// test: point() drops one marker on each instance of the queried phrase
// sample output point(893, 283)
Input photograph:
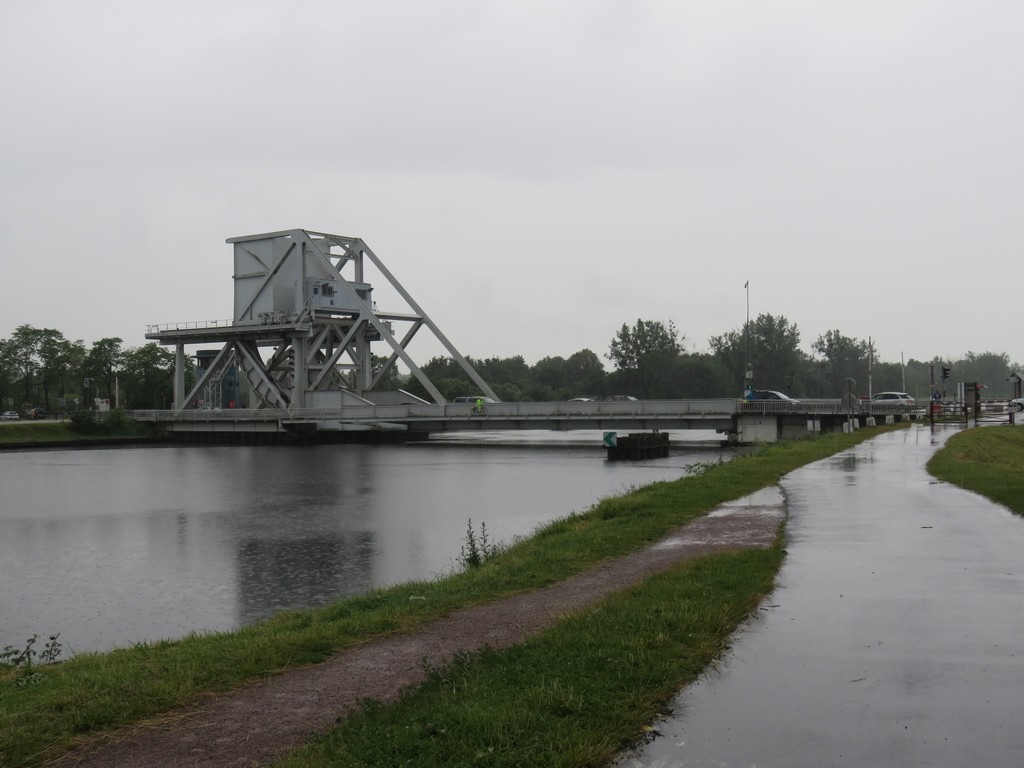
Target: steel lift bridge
point(304, 323)
point(302, 333)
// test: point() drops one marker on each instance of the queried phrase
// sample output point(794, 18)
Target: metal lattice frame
point(316, 348)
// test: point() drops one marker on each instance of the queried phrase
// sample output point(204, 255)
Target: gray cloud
point(535, 173)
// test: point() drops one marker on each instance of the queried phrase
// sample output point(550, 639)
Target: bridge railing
point(433, 411)
point(885, 408)
point(195, 325)
point(805, 406)
point(516, 411)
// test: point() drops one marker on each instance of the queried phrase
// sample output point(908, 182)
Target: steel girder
point(306, 295)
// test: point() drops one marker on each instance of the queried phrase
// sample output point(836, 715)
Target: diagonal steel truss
point(282, 282)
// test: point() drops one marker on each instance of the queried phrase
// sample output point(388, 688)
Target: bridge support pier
point(752, 428)
point(756, 428)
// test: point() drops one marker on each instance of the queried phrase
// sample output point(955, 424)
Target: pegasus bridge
point(296, 362)
point(734, 421)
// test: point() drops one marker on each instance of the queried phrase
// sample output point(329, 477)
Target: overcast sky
point(535, 174)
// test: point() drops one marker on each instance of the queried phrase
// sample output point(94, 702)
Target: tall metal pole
point(871, 354)
point(746, 335)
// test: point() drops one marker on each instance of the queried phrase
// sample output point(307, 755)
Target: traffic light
point(945, 372)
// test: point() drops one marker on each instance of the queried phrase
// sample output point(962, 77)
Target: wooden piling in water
point(639, 446)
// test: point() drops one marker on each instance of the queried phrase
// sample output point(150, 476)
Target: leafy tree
point(558, 378)
point(586, 373)
point(549, 379)
point(730, 350)
point(891, 377)
point(644, 357)
point(147, 376)
point(647, 340)
point(844, 357)
point(25, 355)
point(700, 375)
point(8, 373)
point(102, 364)
point(774, 354)
point(504, 370)
point(446, 374)
point(59, 358)
point(988, 368)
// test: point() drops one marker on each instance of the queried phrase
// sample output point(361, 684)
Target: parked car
point(1017, 404)
point(10, 416)
point(581, 399)
point(37, 413)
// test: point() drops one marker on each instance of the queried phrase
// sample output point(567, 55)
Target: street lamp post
point(748, 374)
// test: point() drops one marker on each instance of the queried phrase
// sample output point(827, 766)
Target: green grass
point(29, 432)
point(988, 460)
point(95, 692)
point(575, 695)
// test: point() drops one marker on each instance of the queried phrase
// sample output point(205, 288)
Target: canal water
point(895, 637)
point(111, 547)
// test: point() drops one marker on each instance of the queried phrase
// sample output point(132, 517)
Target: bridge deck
point(708, 414)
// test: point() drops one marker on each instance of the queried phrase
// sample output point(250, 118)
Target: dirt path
point(256, 724)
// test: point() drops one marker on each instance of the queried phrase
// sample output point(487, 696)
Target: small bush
point(115, 420)
point(84, 422)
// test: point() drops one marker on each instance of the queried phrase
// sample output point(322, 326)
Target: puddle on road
point(893, 639)
point(752, 521)
point(769, 500)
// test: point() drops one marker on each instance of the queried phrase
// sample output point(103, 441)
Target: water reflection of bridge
point(737, 421)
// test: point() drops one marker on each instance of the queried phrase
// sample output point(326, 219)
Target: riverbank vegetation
point(91, 693)
point(649, 360)
point(83, 428)
point(989, 461)
point(575, 695)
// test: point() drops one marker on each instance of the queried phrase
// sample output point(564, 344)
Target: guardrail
point(432, 411)
point(193, 325)
point(652, 410)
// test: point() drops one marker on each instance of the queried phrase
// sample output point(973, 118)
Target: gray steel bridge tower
point(303, 328)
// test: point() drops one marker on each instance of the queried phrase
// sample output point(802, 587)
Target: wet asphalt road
point(895, 637)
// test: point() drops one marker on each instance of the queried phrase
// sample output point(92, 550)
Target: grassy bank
point(94, 692)
point(29, 433)
point(575, 695)
point(988, 461)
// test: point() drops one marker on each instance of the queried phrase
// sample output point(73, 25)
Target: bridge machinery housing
point(303, 332)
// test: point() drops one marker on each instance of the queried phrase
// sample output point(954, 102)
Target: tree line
point(41, 367)
point(648, 359)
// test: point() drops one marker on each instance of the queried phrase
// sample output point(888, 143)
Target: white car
point(1017, 404)
point(900, 400)
point(10, 416)
point(773, 394)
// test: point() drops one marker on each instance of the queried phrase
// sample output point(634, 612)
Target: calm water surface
point(119, 546)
